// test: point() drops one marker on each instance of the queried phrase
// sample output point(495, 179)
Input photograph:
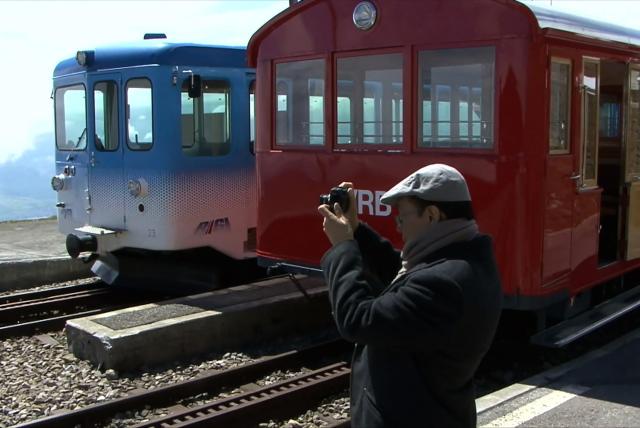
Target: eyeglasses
point(400, 218)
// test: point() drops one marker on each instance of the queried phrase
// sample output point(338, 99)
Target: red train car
point(539, 110)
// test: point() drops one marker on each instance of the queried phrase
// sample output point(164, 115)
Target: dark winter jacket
point(420, 339)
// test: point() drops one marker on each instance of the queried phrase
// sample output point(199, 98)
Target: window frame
point(273, 103)
point(228, 87)
point(475, 151)
point(117, 119)
point(567, 61)
point(407, 129)
point(591, 182)
point(148, 146)
point(251, 90)
point(55, 116)
point(630, 170)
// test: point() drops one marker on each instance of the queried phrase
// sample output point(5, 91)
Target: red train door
point(592, 213)
point(632, 164)
point(586, 202)
point(561, 173)
point(605, 202)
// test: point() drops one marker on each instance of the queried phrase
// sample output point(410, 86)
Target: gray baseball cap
point(436, 182)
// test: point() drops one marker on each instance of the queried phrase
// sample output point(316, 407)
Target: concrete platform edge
point(185, 337)
point(496, 398)
point(23, 274)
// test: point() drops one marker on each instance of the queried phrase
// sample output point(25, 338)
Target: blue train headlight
point(57, 182)
point(84, 57)
point(138, 188)
point(364, 15)
point(135, 188)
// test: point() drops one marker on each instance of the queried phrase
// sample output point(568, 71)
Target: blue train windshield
point(71, 118)
point(105, 96)
point(205, 120)
point(140, 114)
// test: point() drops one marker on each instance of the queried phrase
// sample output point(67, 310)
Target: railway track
point(507, 362)
point(287, 399)
point(274, 401)
point(46, 310)
point(32, 295)
point(244, 409)
point(511, 361)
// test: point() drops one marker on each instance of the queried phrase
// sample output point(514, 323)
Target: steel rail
point(51, 323)
point(282, 399)
point(341, 424)
point(61, 302)
point(208, 382)
point(113, 301)
point(33, 295)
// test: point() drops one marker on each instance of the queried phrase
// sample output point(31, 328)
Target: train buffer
point(93, 230)
point(567, 331)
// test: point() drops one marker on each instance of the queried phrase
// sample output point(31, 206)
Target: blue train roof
point(584, 26)
point(159, 53)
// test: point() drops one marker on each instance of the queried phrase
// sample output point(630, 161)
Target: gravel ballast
point(41, 377)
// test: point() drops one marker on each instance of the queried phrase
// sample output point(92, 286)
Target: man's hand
point(336, 226)
point(352, 212)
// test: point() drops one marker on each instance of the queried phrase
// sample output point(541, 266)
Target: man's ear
point(433, 214)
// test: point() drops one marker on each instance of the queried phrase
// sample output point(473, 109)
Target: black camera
point(339, 195)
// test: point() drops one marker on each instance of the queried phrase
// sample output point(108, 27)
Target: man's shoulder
point(434, 281)
point(441, 268)
point(426, 267)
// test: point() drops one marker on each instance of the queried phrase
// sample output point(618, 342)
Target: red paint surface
point(545, 232)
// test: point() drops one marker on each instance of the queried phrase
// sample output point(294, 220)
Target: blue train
point(154, 155)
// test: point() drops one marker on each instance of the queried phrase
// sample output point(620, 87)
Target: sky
point(36, 35)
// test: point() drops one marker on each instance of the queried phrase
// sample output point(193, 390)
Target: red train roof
point(545, 18)
point(585, 27)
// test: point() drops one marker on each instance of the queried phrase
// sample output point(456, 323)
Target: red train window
point(369, 103)
point(456, 91)
point(300, 103)
point(560, 99)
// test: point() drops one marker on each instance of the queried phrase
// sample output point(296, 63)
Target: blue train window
point(139, 114)
point(71, 118)
point(205, 120)
point(105, 97)
point(456, 91)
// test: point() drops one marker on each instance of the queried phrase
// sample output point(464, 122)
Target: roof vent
point(148, 36)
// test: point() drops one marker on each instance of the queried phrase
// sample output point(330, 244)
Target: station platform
point(32, 252)
point(219, 320)
point(600, 389)
point(31, 239)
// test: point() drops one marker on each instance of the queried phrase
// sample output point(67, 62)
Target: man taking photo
point(422, 319)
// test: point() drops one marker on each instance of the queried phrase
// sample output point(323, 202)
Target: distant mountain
point(25, 189)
